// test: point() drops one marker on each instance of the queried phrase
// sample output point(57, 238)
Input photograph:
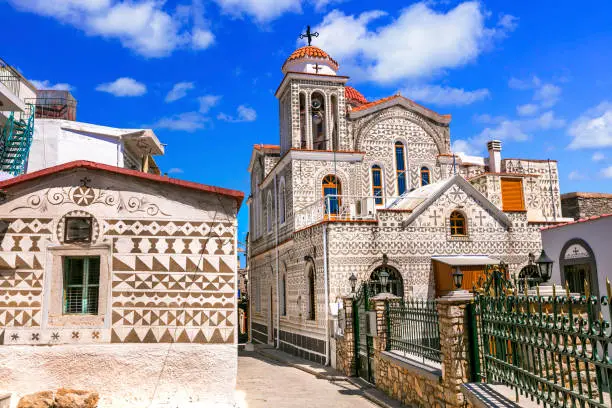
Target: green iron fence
point(555, 350)
point(413, 329)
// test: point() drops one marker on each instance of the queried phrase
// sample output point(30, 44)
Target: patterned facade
point(293, 232)
point(167, 251)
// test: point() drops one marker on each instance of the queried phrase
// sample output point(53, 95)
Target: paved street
point(267, 383)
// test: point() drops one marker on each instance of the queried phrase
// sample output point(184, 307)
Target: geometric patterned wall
point(171, 255)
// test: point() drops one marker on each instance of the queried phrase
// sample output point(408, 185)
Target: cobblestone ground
point(267, 383)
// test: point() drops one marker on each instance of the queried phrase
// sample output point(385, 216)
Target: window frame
point(85, 285)
point(425, 170)
point(400, 174)
point(332, 181)
point(378, 199)
point(67, 219)
point(455, 216)
point(311, 279)
point(269, 219)
point(282, 203)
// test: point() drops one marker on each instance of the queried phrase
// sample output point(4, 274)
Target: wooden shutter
point(512, 194)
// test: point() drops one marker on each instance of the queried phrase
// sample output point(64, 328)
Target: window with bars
point(81, 285)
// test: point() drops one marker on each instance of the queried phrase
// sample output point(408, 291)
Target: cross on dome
point(309, 34)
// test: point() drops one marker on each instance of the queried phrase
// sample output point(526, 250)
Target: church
point(357, 187)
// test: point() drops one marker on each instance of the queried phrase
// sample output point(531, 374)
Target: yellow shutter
point(512, 195)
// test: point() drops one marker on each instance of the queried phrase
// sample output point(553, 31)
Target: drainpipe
point(277, 262)
point(325, 283)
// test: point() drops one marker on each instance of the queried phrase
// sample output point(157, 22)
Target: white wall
point(54, 144)
point(126, 375)
point(597, 233)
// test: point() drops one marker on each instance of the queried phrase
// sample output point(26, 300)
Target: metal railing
point(341, 208)
point(9, 78)
point(54, 108)
point(556, 350)
point(413, 330)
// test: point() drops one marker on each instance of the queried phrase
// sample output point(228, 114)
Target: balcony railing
point(9, 78)
point(54, 108)
point(341, 208)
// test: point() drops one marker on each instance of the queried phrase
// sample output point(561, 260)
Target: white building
point(357, 186)
point(39, 130)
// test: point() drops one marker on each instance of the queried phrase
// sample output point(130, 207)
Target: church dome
point(311, 60)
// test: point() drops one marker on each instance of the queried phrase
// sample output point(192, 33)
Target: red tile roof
point(593, 218)
point(266, 146)
point(355, 95)
point(374, 103)
point(83, 164)
point(389, 98)
point(312, 52)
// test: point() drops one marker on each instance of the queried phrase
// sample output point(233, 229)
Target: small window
point(77, 229)
point(282, 207)
point(425, 176)
point(284, 296)
point(377, 189)
point(458, 224)
point(269, 212)
point(81, 285)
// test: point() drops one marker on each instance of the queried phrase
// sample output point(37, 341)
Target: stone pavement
point(270, 380)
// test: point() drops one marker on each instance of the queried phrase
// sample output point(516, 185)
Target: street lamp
point(458, 277)
point(384, 279)
point(353, 281)
point(545, 265)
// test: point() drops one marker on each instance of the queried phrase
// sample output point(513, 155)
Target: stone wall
point(409, 381)
point(583, 205)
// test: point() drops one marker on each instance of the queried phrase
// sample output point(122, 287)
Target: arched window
point(318, 117)
point(303, 130)
point(400, 167)
point(425, 176)
point(269, 212)
point(377, 190)
point(331, 192)
point(284, 295)
point(395, 283)
point(458, 224)
point(334, 123)
point(311, 293)
point(578, 266)
point(282, 208)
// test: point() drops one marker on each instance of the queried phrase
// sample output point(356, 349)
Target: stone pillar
point(345, 343)
point(379, 303)
point(454, 346)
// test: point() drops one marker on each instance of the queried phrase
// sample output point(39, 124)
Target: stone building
point(583, 205)
point(129, 281)
point(358, 186)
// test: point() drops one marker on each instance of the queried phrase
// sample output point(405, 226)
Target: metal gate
point(364, 342)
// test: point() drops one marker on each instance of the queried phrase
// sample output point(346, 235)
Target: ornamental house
point(120, 282)
point(357, 187)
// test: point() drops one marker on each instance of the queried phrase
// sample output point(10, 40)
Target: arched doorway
point(577, 266)
point(395, 283)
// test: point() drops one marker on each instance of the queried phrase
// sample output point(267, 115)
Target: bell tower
point(312, 103)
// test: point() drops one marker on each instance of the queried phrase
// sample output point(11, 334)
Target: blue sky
point(202, 73)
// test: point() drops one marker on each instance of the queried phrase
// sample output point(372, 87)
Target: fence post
point(380, 304)
point(454, 345)
point(345, 344)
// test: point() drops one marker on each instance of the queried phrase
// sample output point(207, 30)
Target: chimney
point(494, 148)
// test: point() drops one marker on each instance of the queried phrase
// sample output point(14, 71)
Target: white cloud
point(245, 114)
point(487, 119)
point(547, 95)
point(576, 176)
point(46, 84)
point(123, 87)
point(418, 43)
point(464, 146)
point(607, 172)
point(143, 26)
point(523, 84)
point(178, 91)
point(445, 96)
point(320, 5)
point(188, 122)
point(260, 10)
point(528, 109)
point(207, 102)
point(593, 128)
point(598, 156)
point(175, 170)
point(202, 39)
